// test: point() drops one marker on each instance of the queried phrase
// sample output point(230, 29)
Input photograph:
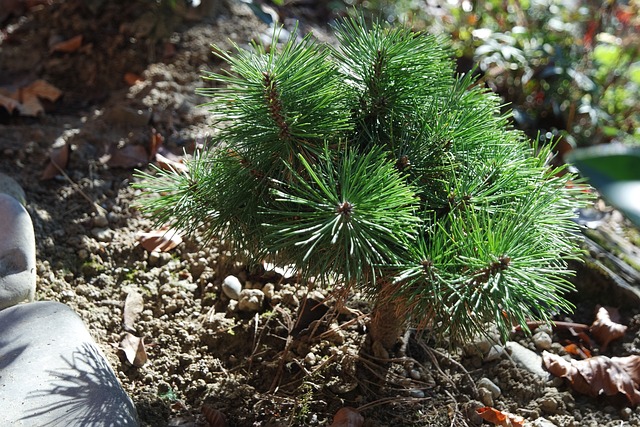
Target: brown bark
point(388, 324)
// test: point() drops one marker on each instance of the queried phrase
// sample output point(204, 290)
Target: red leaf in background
point(161, 240)
point(499, 418)
point(68, 46)
point(131, 78)
point(589, 34)
point(347, 417)
point(605, 329)
point(599, 375)
point(155, 143)
point(214, 417)
point(58, 160)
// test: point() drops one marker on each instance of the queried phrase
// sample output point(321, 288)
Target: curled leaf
point(58, 160)
point(133, 306)
point(134, 351)
point(214, 417)
point(604, 329)
point(599, 375)
point(68, 46)
point(500, 418)
point(347, 417)
point(161, 240)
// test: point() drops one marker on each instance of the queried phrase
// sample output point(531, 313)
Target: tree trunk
point(387, 326)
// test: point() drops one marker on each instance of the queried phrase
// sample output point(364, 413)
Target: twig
point(99, 209)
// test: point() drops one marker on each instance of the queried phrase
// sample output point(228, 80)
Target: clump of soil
point(262, 367)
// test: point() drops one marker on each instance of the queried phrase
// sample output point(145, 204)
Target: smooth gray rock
point(17, 253)
point(232, 287)
point(527, 359)
point(9, 186)
point(53, 374)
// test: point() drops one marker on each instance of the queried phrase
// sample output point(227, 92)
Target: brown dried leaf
point(161, 240)
point(9, 103)
point(133, 348)
point(68, 46)
point(133, 306)
point(131, 78)
point(58, 160)
point(599, 375)
point(500, 418)
point(129, 156)
point(605, 329)
point(168, 164)
point(214, 417)
point(347, 417)
point(29, 97)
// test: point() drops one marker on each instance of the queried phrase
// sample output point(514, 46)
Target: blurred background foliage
point(567, 68)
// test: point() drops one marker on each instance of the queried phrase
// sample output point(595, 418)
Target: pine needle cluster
point(372, 164)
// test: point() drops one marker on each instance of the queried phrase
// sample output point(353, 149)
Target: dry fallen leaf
point(8, 103)
point(214, 417)
point(133, 306)
point(347, 417)
point(131, 78)
point(599, 375)
point(58, 160)
point(133, 348)
point(30, 97)
point(68, 46)
point(129, 156)
point(161, 240)
point(605, 329)
point(166, 163)
point(500, 418)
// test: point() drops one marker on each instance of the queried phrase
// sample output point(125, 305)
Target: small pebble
point(542, 340)
point(625, 413)
point(268, 290)
point(310, 359)
point(232, 287)
point(100, 221)
point(549, 405)
point(250, 300)
point(102, 234)
point(417, 393)
point(486, 383)
point(485, 396)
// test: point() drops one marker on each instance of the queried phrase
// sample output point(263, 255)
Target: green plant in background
point(568, 68)
point(371, 165)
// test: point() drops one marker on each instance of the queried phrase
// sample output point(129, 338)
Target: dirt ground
point(130, 87)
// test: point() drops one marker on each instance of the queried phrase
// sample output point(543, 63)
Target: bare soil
point(262, 368)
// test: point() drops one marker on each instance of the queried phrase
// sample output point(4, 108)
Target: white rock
point(17, 253)
point(487, 384)
point(310, 359)
point(542, 340)
point(527, 359)
point(250, 300)
point(542, 422)
point(53, 373)
point(10, 187)
point(232, 287)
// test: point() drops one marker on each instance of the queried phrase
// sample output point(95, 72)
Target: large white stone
point(17, 253)
point(53, 374)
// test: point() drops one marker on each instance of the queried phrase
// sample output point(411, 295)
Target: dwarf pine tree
point(373, 165)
